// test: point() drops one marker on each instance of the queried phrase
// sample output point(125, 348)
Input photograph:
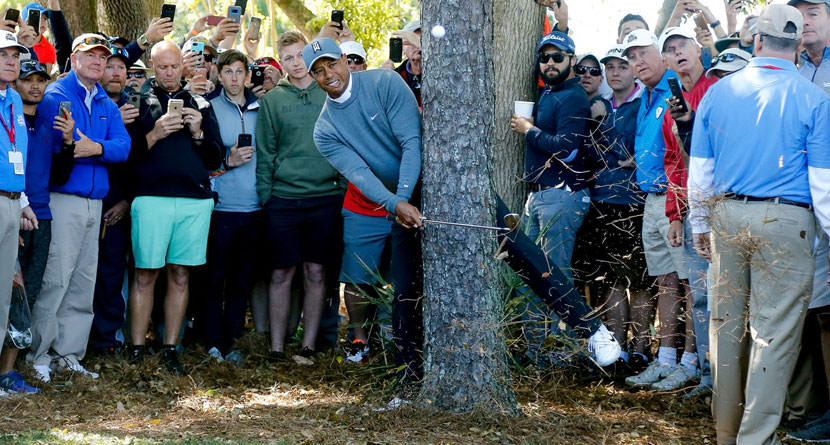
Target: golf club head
point(511, 221)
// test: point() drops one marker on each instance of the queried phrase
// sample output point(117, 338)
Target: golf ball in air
point(438, 31)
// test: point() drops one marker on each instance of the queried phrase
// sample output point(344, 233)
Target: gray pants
point(9, 226)
point(762, 268)
point(62, 314)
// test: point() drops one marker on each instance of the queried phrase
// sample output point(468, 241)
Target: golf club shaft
point(468, 226)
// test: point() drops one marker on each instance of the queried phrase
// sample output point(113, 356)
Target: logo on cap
point(631, 38)
point(11, 37)
point(315, 46)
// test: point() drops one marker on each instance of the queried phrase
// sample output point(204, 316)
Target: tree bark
point(663, 15)
point(297, 13)
point(465, 366)
point(124, 19)
point(81, 15)
point(520, 26)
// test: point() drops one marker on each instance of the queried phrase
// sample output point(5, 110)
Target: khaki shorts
point(661, 257)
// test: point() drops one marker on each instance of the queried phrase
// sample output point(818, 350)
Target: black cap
point(30, 67)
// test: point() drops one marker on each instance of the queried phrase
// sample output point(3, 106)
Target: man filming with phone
point(173, 204)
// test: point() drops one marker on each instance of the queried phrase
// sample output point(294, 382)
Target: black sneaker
point(307, 352)
point(636, 364)
point(276, 357)
point(817, 431)
point(170, 358)
point(137, 354)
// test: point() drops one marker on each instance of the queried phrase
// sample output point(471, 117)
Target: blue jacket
point(556, 145)
point(649, 145)
point(614, 143)
point(38, 168)
point(10, 182)
point(89, 178)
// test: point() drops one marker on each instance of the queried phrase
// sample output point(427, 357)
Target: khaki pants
point(762, 263)
point(9, 227)
point(62, 314)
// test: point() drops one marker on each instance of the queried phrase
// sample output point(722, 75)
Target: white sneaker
point(676, 379)
point(73, 366)
point(603, 347)
point(214, 352)
point(43, 373)
point(3, 394)
point(655, 372)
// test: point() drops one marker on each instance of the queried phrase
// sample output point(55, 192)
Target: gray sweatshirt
point(374, 137)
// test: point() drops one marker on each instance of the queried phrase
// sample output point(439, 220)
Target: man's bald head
point(166, 59)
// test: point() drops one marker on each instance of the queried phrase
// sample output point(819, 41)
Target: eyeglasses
point(357, 60)
point(582, 69)
point(116, 51)
point(91, 41)
point(556, 57)
point(725, 58)
point(137, 75)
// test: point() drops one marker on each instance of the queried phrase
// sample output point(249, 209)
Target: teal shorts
point(169, 230)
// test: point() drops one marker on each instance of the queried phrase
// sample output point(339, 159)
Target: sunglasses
point(582, 69)
point(357, 60)
point(556, 57)
point(725, 58)
point(137, 75)
point(116, 51)
point(89, 41)
point(30, 66)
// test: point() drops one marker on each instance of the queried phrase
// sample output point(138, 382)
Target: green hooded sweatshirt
point(288, 164)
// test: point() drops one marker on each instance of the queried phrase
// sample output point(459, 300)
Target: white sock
point(667, 355)
point(689, 360)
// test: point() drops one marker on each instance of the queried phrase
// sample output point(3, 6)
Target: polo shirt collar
point(346, 94)
point(772, 62)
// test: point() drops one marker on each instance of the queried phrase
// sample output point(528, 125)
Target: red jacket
point(676, 171)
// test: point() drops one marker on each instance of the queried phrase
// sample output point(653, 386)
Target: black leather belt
point(10, 195)
point(746, 198)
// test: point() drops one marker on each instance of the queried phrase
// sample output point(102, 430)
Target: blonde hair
point(290, 38)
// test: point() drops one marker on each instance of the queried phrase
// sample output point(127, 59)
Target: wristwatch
point(143, 41)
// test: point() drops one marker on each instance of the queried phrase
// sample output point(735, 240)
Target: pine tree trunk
point(124, 19)
point(465, 367)
point(81, 15)
point(520, 26)
point(297, 13)
point(663, 16)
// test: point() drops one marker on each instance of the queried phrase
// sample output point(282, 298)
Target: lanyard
point(9, 130)
point(614, 105)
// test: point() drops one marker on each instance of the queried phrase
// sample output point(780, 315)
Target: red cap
point(262, 61)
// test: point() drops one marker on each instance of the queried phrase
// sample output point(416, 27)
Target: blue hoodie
point(89, 177)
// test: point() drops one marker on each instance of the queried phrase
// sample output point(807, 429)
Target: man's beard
point(557, 78)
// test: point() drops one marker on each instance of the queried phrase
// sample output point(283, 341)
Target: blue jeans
point(554, 217)
point(697, 269)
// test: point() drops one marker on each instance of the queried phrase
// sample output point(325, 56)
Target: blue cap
point(559, 40)
point(319, 48)
point(29, 7)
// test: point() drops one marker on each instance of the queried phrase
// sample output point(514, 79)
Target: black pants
point(110, 301)
point(407, 328)
point(33, 255)
point(233, 244)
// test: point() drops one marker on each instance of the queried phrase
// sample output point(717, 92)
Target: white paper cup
point(523, 109)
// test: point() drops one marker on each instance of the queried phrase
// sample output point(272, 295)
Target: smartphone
point(134, 99)
point(168, 10)
point(700, 21)
point(243, 4)
point(235, 13)
point(213, 20)
point(337, 16)
point(257, 76)
point(254, 26)
point(396, 49)
point(174, 107)
point(34, 20)
point(64, 109)
point(13, 15)
point(674, 86)
point(244, 140)
point(198, 47)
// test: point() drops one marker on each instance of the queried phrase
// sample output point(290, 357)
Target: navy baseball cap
point(559, 40)
point(31, 67)
point(319, 48)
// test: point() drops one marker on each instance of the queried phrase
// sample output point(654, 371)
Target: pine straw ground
point(329, 403)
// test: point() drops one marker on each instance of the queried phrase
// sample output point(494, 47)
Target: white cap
point(676, 31)
point(738, 59)
point(639, 37)
point(352, 47)
point(88, 42)
point(616, 52)
point(9, 40)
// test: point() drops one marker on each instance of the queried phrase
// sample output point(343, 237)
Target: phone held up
point(235, 13)
point(256, 23)
point(396, 49)
point(168, 10)
point(337, 17)
point(12, 15)
point(257, 76)
point(64, 109)
point(674, 86)
point(34, 20)
point(174, 107)
point(244, 140)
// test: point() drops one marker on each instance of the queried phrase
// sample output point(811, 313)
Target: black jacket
point(177, 166)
